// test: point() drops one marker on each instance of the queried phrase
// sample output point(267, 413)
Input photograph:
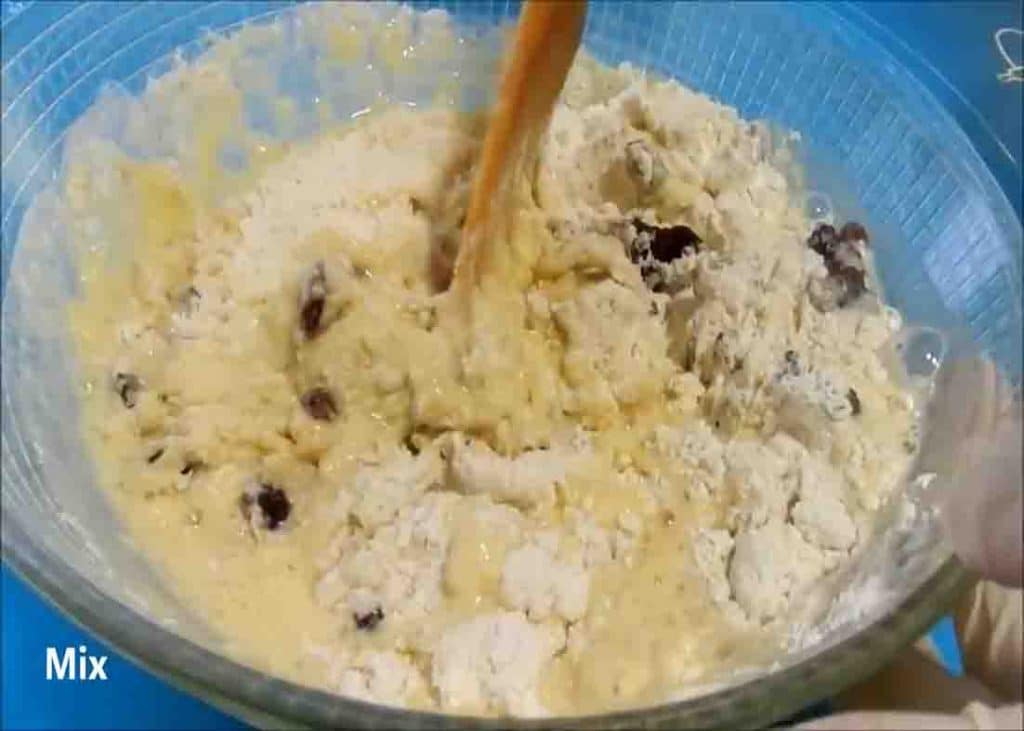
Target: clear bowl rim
point(259, 697)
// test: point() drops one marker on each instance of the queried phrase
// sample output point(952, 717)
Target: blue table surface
point(948, 45)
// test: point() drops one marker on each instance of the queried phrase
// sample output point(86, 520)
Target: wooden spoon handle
point(548, 35)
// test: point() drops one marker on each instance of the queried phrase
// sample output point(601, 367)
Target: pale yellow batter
point(605, 486)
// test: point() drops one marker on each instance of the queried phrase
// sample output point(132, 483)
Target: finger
point(989, 627)
point(867, 721)
point(913, 681)
point(974, 716)
point(962, 405)
point(984, 507)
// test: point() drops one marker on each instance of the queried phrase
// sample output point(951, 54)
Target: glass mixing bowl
point(947, 244)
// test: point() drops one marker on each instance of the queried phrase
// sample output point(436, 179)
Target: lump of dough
point(759, 476)
point(711, 550)
point(380, 490)
point(820, 514)
point(697, 453)
point(807, 404)
point(535, 581)
point(769, 565)
point(616, 349)
point(526, 480)
point(398, 570)
point(493, 662)
point(824, 521)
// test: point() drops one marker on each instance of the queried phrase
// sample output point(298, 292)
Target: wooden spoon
point(548, 35)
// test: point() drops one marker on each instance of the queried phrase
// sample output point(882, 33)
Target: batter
point(667, 419)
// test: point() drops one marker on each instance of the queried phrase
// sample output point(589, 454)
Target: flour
point(769, 564)
point(614, 482)
point(535, 581)
point(381, 490)
point(399, 569)
point(493, 661)
point(382, 677)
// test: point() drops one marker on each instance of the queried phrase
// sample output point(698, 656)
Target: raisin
point(190, 299)
point(853, 281)
point(191, 465)
point(312, 301)
point(792, 363)
point(843, 254)
point(155, 455)
point(822, 238)
point(319, 403)
point(843, 261)
point(668, 243)
point(369, 620)
point(854, 400)
point(127, 386)
point(273, 502)
point(853, 231)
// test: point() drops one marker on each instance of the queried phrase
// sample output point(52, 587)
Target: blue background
point(947, 45)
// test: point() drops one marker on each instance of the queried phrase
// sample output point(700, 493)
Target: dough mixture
point(667, 418)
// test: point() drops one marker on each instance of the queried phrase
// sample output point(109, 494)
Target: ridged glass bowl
point(946, 241)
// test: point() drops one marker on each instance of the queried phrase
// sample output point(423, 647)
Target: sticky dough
point(588, 495)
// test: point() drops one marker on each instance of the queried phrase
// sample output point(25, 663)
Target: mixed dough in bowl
point(668, 416)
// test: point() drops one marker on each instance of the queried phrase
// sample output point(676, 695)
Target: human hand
point(974, 409)
point(973, 434)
